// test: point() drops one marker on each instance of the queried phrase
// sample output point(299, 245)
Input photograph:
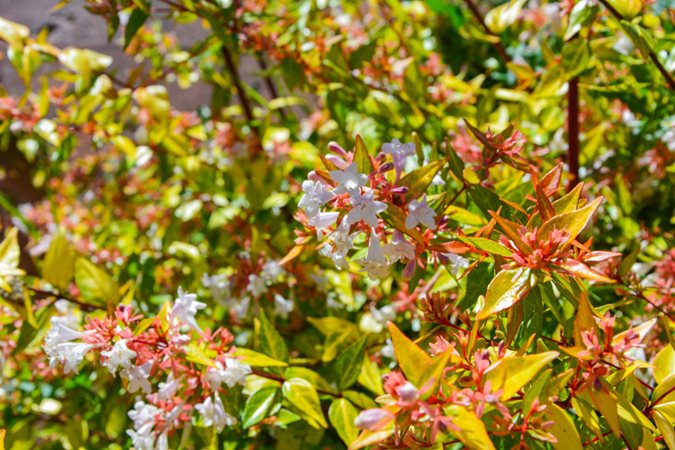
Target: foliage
point(440, 225)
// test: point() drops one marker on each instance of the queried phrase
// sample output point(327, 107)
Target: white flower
point(232, 374)
point(399, 153)
point(340, 242)
point(118, 356)
point(167, 389)
point(282, 307)
point(272, 270)
point(213, 413)
point(365, 208)
point(241, 307)
point(399, 248)
point(375, 263)
point(144, 416)
point(457, 263)
point(322, 220)
point(348, 180)
point(59, 346)
point(138, 377)
point(185, 308)
point(419, 212)
point(373, 419)
point(316, 195)
point(256, 285)
point(218, 285)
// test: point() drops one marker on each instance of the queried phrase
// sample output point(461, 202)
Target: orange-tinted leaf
point(572, 222)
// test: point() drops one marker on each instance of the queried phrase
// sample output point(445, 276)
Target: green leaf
point(514, 372)
point(501, 17)
point(664, 364)
point(562, 428)
point(582, 13)
point(304, 401)
point(135, 22)
point(347, 365)
point(260, 405)
point(361, 156)
point(59, 264)
point(412, 360)
point(472, 430)
point(487, 245)
point(419, 179)
point(271, 342)
point(665, 425)
point(572, 222)
point(95, 285)
point(342, 415)
point(10, 254)
point(370, 376)
point(255, 359)
point(506, 289)
point(640, 37)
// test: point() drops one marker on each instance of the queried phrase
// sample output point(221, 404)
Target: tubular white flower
point(119, 356)
point(231, 374)
point(213, 413)
point(419, 212)
point(375, 263)
point(167, 389)
point(282, 307)
point(348, 180)
point(399, 248)
point(316, 195)
point(138, 377)
point(399, 152)
point(364, 207)
point(185, 308)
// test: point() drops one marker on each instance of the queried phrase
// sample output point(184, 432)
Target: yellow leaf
point(472, 430)
point(514, 372)
point(412, 360)
point(572, 222)
point(563, 429)
point(506, 289)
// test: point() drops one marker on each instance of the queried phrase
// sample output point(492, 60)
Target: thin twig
point(270, 84)
point(573, 130)
point(669, 78)
point(479, 16)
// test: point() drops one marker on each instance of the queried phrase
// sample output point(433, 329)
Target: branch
point(573, 130)
point(652, 55)
point(269, 83)
point(479, 16)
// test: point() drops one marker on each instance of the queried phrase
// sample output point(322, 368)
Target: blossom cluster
point(174, 366)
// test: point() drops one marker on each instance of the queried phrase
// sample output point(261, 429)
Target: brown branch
point(61, 296)
point(243, 98)
point(573, 130)
point(479, 17)
point(269, 83)
point(669, 78)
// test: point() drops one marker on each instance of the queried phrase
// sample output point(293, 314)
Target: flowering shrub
point(441, 224)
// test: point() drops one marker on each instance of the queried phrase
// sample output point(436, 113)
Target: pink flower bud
point(373, 419)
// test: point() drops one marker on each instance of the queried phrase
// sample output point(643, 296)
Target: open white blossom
point(219, 286)
point(185, 308)
point(364, 207)
point(231, 374)
point(138, 377)
point(322, 220)
point(214, 414)
point(60, 348)
point(316, 195)
point(144, 416)
point(375, 263)
point(282, 307)
point(167, 389)
point(399, 152)
point(419, 212)
point(257, 285)
point(399, 248)
point(340, 243)
point(118, 356)
point(348, 180)
point(457, 263)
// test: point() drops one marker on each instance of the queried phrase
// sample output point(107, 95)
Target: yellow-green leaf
point(59, 263)
point(95, 285)
point(506, 289)
point(361, 156)
point(419, 179)
point(472, 431)
point(572, 222)
point(562, 428)
point(412, 360)
point(303, 399)
point(664, 364)
point(342, 415)
point(255, 359)
point(514, 372)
